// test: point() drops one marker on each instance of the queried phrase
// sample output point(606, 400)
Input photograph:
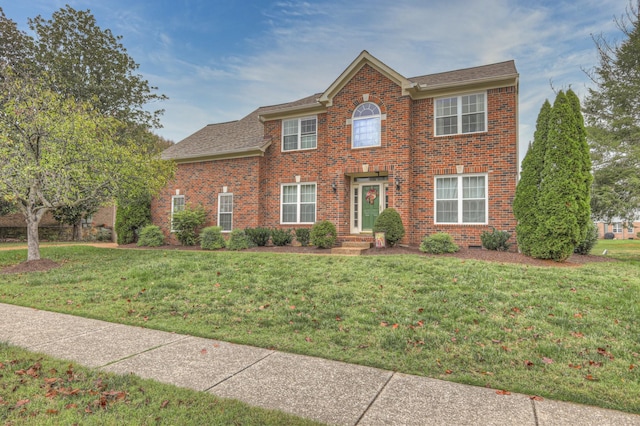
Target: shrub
point(390, 223)
point(186, 223)
point(590, 240)
point(438, 243)
point(281, 237)
point(302, 236)
point(609, 236)
point(132, 215)
point(258, 236)
point(238, 240)
point(151, 236)
point(211, 238)
point(323, 234)
point(495, 240)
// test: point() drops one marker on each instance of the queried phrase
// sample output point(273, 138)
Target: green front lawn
point(558, 332)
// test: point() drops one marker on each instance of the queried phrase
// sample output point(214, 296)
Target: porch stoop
point(352, 248)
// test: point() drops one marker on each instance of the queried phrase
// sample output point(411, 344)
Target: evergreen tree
point(612, 110)
point(583, 169)
point(525, 204)
point(559, 205)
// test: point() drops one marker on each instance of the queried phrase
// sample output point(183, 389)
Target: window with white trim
point(298, 203)
point(177, 205)
point(299, 133)
point(461, 114)
point(461, 199)
point(617, 227)
point(366, 126)
point(225, 212)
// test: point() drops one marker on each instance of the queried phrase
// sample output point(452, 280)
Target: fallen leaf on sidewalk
point(503, 392)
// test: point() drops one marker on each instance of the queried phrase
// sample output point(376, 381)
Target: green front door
point(370, 206)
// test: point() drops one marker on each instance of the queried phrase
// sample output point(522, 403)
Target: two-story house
point(442, 149)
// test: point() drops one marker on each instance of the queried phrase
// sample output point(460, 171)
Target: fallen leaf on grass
point(528, 363)
point(22, 402)
point(308, 339)
point(547, 360)
point(52, 411)
point(164, 403)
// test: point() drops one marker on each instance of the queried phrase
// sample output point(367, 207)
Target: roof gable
point(365, 58)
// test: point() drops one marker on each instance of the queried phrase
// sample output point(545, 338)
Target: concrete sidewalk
point(327, 391)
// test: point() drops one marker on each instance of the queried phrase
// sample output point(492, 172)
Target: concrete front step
point(351, 248)
point(348, 251)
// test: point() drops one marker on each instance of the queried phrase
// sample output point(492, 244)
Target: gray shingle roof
point(246, 136)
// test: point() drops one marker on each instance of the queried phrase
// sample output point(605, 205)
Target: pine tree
point(612, 110)
point(526, 198)
point(559, 227)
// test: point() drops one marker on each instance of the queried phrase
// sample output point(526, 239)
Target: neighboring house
point(14, 227)
point(619, 230)
point(442, 149)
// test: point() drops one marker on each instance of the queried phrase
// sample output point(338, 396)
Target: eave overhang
point(256, 151)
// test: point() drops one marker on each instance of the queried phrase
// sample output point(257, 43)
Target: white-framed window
point(299, 133)
point(225, 211)
point(617, 227)
point(366, 126)
point(461, 114)
point(298, 203)
point(461, 199)
point(177, 205)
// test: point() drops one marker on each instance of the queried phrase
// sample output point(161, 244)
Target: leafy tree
point(561, 200)
point(612, 110)
point(7, 207)
point(73, 215)
point(525, 203)
point(72, 113)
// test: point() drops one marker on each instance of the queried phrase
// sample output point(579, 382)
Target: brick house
point(442, 149)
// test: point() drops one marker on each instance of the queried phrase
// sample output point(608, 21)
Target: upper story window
point(366, 126)
point(461, 199)
point(461, 114)
point(299, 133)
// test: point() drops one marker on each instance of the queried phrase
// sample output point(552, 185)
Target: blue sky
point(219, 60)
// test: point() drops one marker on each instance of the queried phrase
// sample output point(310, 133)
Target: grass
point(562, 333)
point(619, 249)
point(39, 390)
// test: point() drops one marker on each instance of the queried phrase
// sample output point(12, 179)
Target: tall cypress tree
point(525, 203)
point(583, 171)
point(559, 227)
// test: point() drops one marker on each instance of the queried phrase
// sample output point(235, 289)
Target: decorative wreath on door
point(371, 196)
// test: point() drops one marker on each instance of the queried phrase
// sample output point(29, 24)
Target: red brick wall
point(493, 152)
point(201, 183)
point(409, 151)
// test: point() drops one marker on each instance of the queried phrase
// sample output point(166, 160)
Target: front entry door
point(371, 195)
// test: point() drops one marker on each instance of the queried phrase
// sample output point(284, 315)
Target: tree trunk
point(33, 240)
point(77, 231)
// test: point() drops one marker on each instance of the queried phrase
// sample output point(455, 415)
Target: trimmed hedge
point(324, 234)
point(151, 236)
point(390, 223)
point(438, 243)
point(211, 238)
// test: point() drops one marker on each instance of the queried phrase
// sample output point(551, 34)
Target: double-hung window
point(298, 203)
point(461, 199)
point(617, 227)
point(461, 114)
point(225, 212)
point(366, 126)
point(299, 133)
point(177, 205)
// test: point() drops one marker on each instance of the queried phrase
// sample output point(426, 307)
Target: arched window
point(366, 126)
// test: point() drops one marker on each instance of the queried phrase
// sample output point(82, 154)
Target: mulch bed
point(464, 253)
